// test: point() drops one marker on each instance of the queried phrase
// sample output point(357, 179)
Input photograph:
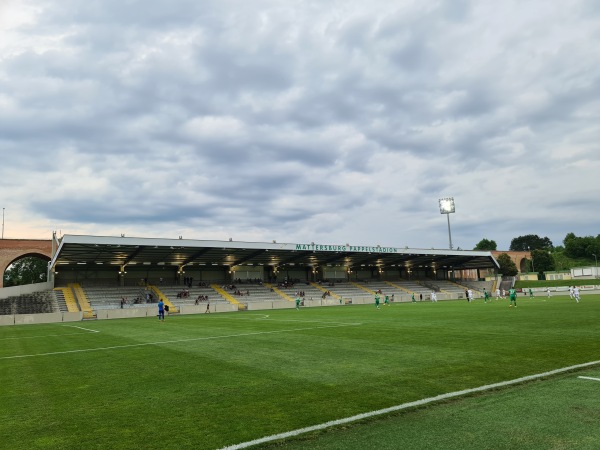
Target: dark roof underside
point(128, 251)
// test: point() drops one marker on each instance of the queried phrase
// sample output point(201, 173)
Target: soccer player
point(486, 296)
point(413, 298)
point(497, 293)
point(298, 302)
point(512, 294)
point(470, 293)
point(530, 293)
point(576, 294)
point(207, 308)
point(548, 292)
point(386, 302)
point(161, 311)
point(377, 300)
point(570, 292)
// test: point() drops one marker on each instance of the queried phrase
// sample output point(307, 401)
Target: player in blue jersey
point(161, 310)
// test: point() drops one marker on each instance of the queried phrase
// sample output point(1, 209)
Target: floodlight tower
point(447, 207)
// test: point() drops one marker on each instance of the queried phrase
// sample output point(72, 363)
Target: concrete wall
point(214, 308)
point(127, 313)
point(7, 320)
point(31, 319)
point(15, 291)
point(280, 304)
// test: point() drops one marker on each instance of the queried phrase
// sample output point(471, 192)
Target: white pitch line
point(81, 328)
point(176, 341)
point(53, 335)
point(590, 378)
point(402, 406)
point(266, 317)
point(42, 336)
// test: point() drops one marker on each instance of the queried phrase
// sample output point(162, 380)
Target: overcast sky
point(300, 121)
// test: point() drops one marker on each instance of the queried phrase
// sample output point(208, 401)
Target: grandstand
point(90, 274)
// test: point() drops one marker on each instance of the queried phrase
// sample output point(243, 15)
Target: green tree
point(507, 265)
point(542, 261)
point(561, 262)
point(27, 270)
point(486, 245)
point(581, 247)
point(530, 242)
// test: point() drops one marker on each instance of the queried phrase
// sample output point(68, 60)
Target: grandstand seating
point(36, 303)
point(449, 287)
point(171, 293)
point(478, 286)
point(254, 292)
point(410, 287)
point(343, 289)
point(109, 296)
point(311, 291)
point(60, 300)
point(104, 297)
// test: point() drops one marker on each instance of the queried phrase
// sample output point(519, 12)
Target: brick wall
point(13, 249)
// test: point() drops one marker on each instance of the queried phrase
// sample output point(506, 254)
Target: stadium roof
point(123, 251)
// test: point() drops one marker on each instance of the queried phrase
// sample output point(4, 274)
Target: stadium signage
point(345, 248)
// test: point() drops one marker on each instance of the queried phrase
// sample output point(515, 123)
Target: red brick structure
point(517, 257)
point(13, 249)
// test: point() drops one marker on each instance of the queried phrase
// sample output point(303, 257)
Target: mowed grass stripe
point(405, 406)
point(558, 413)
point(221, 392)
point(170, 342)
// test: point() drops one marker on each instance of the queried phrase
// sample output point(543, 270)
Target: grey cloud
point(304, 117)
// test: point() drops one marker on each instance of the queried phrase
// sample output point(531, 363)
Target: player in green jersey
point(486, 296)
point(512, 295)
point(298, 302)
point(413, 298)
point(377, 300)
point(386, 301)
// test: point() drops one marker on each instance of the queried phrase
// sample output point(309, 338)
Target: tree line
point(545, 256)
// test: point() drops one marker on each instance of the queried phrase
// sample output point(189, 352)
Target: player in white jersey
point(497, 293)
point(576, 294)
point(470, 294)
point(571, 292)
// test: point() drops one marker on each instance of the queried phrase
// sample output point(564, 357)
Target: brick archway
point(518, 258)
point(13, 249)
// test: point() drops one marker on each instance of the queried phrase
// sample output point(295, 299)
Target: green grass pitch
point(213, 380)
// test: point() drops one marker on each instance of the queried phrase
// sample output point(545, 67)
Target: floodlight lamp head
point(447, 205)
